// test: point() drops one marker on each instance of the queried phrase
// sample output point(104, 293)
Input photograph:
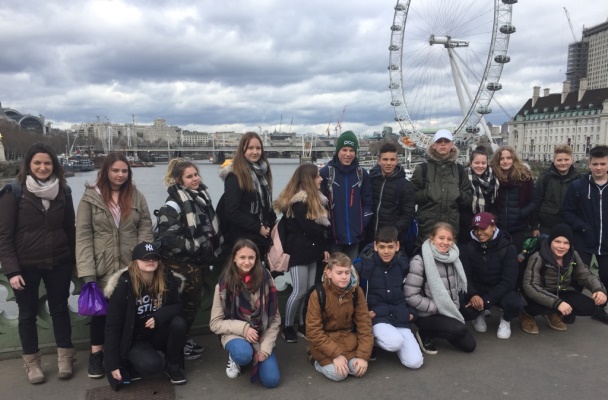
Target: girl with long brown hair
point(144, 315)
point(245, 314)
point(516, 201)
point(306, 222)
point(112, 218)
point(247, 200)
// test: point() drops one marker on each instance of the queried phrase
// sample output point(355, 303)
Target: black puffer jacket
point(32, 237)
point(122, 313)
point(307, 239)
point(394, 202)
point(551, 187)
point(511, 215)
point(383, 286)
point(491, 268)
point(237, 220)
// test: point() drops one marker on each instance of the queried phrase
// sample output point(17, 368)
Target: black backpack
point(15, 187)
point(322, 299)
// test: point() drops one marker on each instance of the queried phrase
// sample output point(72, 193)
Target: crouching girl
point(144, 315)
point(245, 314)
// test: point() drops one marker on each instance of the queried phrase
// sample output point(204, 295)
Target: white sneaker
point(233, 370)
point(504, 329)
point(479, 323)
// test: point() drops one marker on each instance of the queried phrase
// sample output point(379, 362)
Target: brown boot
point(33, 367)
point(555, 322)
point(65, 359)
point(528, 323)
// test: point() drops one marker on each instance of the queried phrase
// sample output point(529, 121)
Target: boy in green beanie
point(348, 188)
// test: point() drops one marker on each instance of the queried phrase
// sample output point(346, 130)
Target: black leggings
point(57, 284)
point(510, 304)
point(581, 305)
point(450, 329)
point(169, 339)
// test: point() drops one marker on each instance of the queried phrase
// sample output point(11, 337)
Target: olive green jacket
point(101, 248)
point(440, 196)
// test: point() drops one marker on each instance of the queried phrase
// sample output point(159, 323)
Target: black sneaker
point(133, 373)
point(302, 331)
point(426, 344)
point(189, 353)
point(176, 374)
point(601, 316)
point(373, 355)
point(196, 348)
point(289, 334)
point(96, 365)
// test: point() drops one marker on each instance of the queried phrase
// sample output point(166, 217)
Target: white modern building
point(588, 58)
point(579, 119)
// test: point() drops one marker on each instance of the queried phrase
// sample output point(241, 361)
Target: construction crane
point(328, 124)
point(570, 22)
point(339, 124)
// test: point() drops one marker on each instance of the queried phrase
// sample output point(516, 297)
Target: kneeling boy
point(384, 269)
point(339, 332)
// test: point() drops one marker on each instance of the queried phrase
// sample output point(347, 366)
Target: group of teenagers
point(376, 282)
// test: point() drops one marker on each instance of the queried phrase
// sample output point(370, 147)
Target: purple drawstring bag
point(91, 301)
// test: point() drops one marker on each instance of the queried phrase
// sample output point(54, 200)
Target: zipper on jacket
point(378, 208)
point(347, 208)
point(599, 245)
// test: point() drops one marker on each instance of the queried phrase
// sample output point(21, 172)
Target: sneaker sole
point(422, 348)
point(191, 357)
point(233, 377)
point(96, 376)
point(482, 329)
point(180, 382)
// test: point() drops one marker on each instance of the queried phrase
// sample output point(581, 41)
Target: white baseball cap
point(443, 134)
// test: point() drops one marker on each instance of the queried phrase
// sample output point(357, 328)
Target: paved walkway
point(552, 365)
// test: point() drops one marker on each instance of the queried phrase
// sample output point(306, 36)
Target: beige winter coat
point(101, 248)
point(229, 329)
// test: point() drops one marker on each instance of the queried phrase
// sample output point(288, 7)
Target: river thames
point(149, 180)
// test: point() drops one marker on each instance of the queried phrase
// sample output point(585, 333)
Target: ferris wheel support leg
point(457, 81)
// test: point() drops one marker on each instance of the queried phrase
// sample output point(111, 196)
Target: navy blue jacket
point(511, 216)
point(350, 206)
point(394, 203)
point(491, 268)
point(587, 214)
point(384, 287)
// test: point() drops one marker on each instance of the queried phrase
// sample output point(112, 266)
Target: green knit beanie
point(349, 139)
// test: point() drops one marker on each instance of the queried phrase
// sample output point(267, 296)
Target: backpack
point(322, 300)
point(331, 177)
point(155, 224)
point(278, 260)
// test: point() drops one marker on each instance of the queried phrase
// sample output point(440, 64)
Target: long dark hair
point(125, 196)
point(41, 148)
point(240, 165)
point(231, 275)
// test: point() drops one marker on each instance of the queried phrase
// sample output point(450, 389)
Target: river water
point(149, 180)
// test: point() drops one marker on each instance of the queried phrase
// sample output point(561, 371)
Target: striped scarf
point(255, 309)
point(485, 187)
point(263, 194)
point(203, 223)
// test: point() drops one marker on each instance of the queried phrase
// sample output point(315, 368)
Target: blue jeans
point(241, 353)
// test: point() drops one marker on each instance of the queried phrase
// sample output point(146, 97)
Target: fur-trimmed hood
point(225, 170)
point(302, 196)
point(433, 156)
point(113, 282)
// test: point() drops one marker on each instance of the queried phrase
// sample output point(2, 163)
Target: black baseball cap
point(145, 250)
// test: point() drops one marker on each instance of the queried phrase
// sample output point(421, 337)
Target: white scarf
point(46, 191)
point(442, 298)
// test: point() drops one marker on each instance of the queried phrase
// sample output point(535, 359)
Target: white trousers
point(400, 341)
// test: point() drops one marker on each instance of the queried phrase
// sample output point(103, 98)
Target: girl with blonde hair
point(306, 222)
point(189, 234)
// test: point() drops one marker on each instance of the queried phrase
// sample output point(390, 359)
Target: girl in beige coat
point(112, 218)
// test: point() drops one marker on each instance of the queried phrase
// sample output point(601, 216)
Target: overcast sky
point(216, 65)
